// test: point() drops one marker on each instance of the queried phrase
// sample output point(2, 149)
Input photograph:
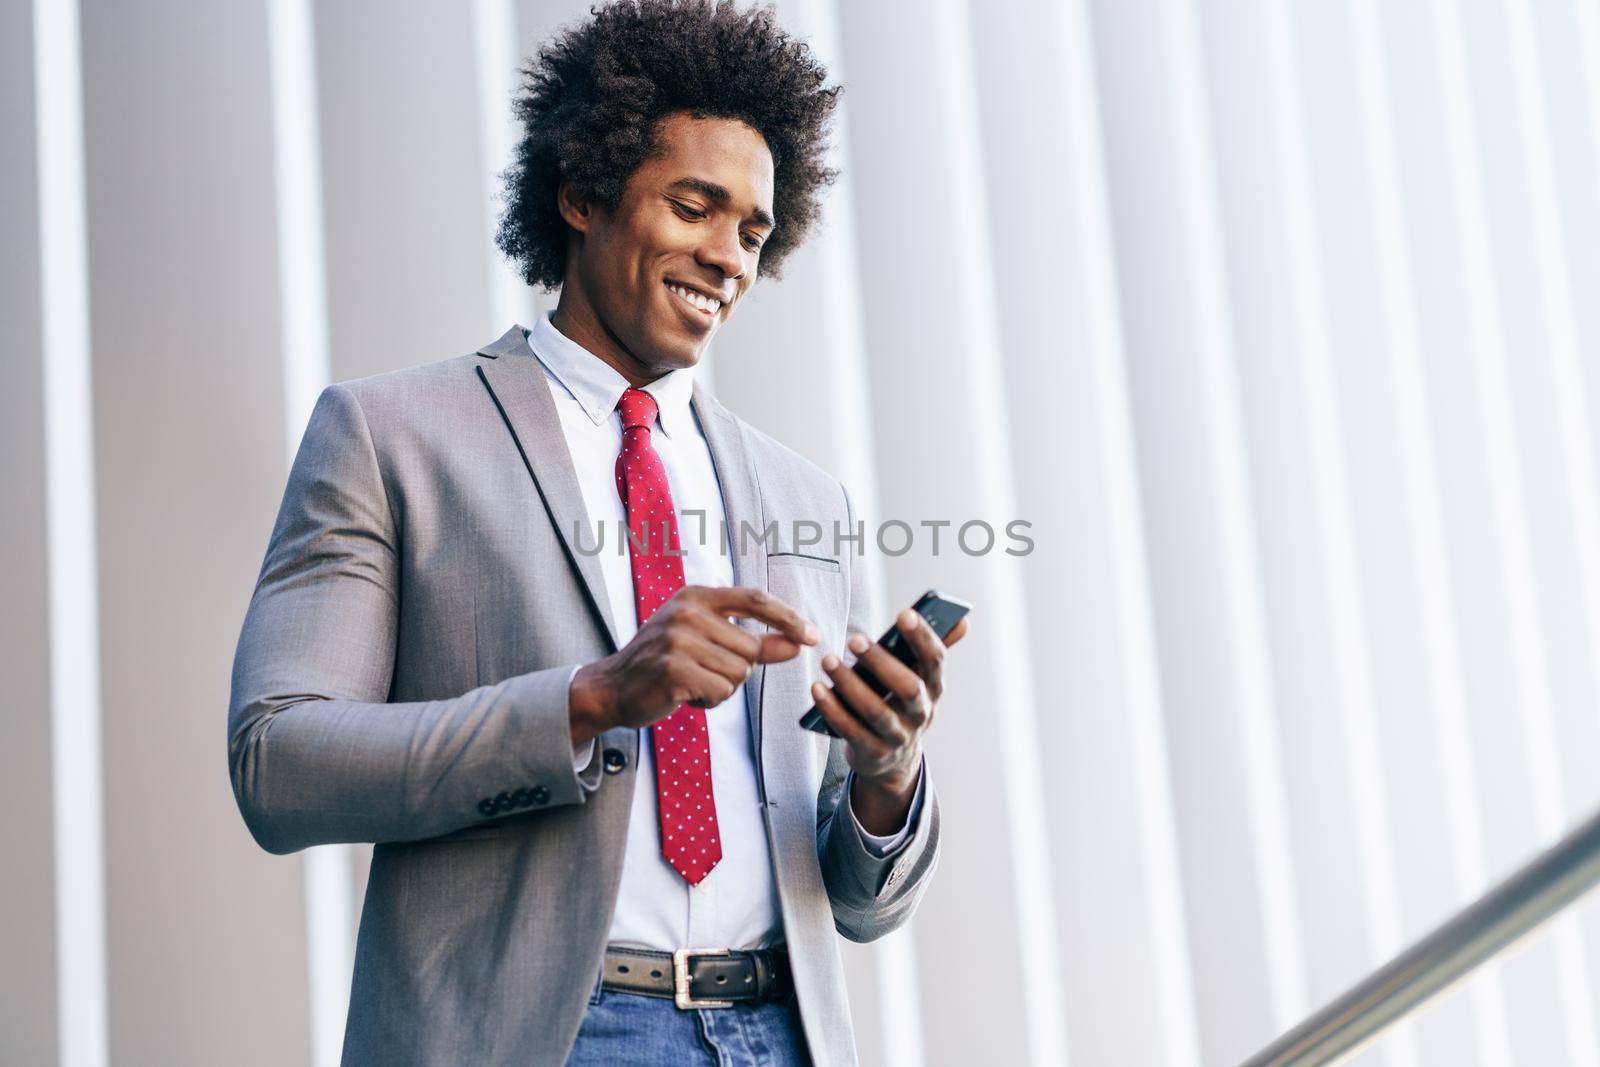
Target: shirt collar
point(597, 386)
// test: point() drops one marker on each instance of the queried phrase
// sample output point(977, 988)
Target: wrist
point(899, 778)
point(882, 804)
point(588, 703)
point(888, 787)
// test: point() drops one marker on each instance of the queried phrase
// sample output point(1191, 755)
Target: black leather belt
point(699, 977)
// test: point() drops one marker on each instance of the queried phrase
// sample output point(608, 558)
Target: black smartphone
point(941, 610)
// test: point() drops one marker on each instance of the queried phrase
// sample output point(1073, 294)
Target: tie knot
point(638, 408)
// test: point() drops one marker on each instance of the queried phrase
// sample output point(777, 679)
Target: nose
point(721, 249)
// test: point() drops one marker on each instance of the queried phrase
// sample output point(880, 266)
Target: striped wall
point(1275, 318)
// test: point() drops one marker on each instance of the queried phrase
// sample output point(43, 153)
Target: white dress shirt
point(736, 905)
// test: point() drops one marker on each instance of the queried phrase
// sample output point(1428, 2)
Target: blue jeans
point(626, 1028)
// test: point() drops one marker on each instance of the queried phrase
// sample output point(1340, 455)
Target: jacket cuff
point(582, 754)
point(550, 775)
point(882, 846)
point(871, 870)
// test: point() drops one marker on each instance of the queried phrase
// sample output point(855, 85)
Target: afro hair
point(593, 97)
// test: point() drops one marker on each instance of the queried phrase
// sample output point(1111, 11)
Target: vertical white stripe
point(1331, 495)
point(1485, 332)
point(1486, 343)
point(1572, 414)
point(899, 990)
point(1230, 471)
point(850, 386)
point(329, 874)
point(1424, 512)
point(298, 171)
point(1587, 13)
point(1560, 317)
point(1039, 940)
point(1141, 681)
point(73, 567)
point(495, 46)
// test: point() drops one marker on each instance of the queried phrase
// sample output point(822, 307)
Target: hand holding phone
point(941, 611)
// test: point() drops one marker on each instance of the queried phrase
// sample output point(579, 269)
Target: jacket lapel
point(741, 505)
point(517, 384)
point(514, 380)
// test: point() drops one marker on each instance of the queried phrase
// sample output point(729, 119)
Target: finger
point(706, 688)
point(868, 706)
point(749, 603)
point(924, 642)
point(866, 743)
point(776, 648)
point(957, 632)
point(731, 636)
point(928, 651)
point(904, 683)
point(765, 648)
point(724, 662)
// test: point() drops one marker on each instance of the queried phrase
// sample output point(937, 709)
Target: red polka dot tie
point(687, 811)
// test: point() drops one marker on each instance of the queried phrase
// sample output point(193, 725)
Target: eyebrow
point(720, 196)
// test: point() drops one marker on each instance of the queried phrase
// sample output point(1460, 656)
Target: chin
point(681, 360)
point(675, 353)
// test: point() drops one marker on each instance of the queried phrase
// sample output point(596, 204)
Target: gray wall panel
point(1418, 819)
point(206, 959)
point(1189, 588)
point(27, 893)
point(1063, 443)
point(1500, 750)
point(402, 200)
point(1311, 695)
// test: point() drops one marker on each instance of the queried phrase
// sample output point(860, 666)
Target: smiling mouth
point(705, 305)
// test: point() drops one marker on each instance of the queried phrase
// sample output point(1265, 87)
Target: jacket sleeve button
point(615, 760)
point(540, 794)
point(502, 802)
point(486, 806)
point(521, 798)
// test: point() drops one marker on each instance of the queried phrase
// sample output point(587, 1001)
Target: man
point(579, 765)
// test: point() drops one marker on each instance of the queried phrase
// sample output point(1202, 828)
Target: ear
point(575, 208)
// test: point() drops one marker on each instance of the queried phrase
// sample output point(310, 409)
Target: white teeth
point(704, 303)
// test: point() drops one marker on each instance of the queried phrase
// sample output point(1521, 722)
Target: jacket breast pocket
point(802, 559)
point(816, 587)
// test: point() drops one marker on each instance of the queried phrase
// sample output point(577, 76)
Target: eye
point(752, 242)
point(687, 211)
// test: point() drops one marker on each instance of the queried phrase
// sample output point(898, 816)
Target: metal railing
point(1554, 879)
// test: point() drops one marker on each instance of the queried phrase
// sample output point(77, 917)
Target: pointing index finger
point(749, 603)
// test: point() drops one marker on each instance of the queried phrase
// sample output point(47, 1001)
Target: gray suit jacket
point(404, 662)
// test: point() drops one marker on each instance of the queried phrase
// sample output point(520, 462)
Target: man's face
point(665, 269)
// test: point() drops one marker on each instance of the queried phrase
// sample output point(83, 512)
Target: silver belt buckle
point(680, 978)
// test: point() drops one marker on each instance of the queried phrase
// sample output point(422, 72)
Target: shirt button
point(615, 760)
point(540, 794)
